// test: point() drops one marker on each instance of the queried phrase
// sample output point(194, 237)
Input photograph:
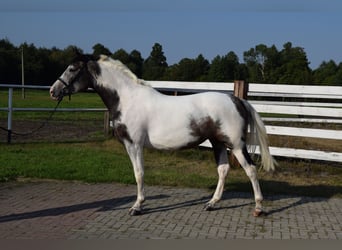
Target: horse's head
point(78, 76)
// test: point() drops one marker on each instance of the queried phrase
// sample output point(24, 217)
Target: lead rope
point(38, 128)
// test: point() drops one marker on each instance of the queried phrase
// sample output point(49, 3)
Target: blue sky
point(185, 28)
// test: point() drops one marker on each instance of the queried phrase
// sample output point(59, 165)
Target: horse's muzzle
point(54, 95)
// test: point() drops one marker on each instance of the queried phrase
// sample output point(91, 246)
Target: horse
point(143, 117)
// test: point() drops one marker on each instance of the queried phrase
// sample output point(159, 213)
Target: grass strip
point(107, 161)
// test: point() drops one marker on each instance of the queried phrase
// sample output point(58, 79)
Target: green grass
point(66, 161)
point(107, 161)
point(41, 99)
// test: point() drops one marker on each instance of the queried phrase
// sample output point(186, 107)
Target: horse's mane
point(118, 65)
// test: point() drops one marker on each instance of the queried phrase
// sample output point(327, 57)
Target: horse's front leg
point(135, 153)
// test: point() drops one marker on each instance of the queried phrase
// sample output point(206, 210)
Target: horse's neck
point(117, 89)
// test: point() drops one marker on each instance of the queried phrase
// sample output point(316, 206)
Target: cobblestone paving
point(73, 210)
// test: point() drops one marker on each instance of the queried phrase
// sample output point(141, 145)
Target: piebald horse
point(143, 117)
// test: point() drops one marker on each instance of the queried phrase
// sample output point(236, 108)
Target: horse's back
point(199, 105)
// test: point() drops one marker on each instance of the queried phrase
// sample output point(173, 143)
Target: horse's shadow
point(102, 205)
point(295, 195)
point(123, 203)
point(297, 202)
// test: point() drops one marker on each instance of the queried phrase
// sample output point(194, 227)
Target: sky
point(185, 28)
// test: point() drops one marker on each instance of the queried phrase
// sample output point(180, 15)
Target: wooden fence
point(298, 103)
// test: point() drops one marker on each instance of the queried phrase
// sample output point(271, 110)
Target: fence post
point(9, 115)
point(106, 125)
point(241, 91)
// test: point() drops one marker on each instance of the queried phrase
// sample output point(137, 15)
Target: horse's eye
point(73, 69)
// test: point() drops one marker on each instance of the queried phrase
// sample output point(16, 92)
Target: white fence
point(325, 107)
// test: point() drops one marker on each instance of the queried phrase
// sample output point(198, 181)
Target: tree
point(33, 64)
point(99, 49)
point(155, 65)
point(325, 73)
point(202, 68)
point(136, 63)
point(271, 64)
point(188, 70)
point(122, 56)
point(261, 62)
point(255, 59)
point(224, 68)
point(133, 61)
point(294, 67)
point(268, 65)
point(338, 76)
point(58, 60)
point(10, 63)
point(40, 69)
point(241, 72)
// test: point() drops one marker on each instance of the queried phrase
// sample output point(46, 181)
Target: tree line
point(261, 64)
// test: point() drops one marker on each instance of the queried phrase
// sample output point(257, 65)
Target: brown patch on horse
point(243, 111)
point(94, 68)
point(206, 128)
point(111, 100)
point(121, 133)
point(90, 66)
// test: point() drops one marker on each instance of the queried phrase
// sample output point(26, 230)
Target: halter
point(67, 90)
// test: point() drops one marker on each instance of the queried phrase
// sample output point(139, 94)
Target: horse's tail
point(258, 136)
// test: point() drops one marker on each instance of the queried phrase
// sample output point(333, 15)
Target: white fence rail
point(325, 107)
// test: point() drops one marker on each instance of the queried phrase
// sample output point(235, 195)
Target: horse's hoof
point(258, 212)
point(135, 212)
point(208, 207)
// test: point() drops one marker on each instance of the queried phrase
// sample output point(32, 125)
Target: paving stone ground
point(74, 210)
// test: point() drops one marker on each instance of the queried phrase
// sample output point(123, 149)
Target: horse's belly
point(171, 141)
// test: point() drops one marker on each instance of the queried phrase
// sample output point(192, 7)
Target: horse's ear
point(77, 55)
point(93, 67)
point(78, 52)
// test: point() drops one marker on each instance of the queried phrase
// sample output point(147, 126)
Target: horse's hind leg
point(221, 158)
point(250, 169)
